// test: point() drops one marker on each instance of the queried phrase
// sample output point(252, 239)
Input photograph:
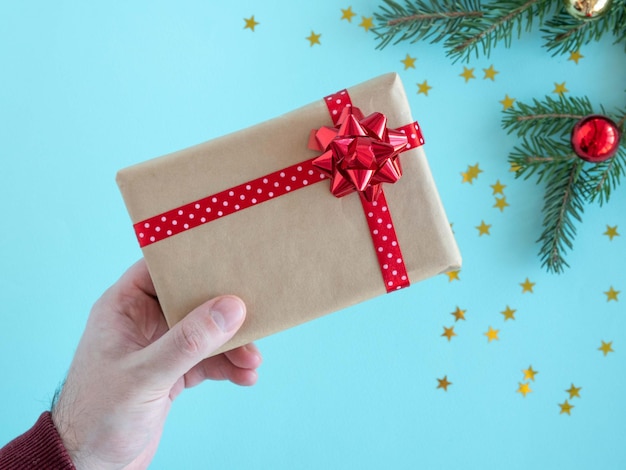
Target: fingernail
point(227, 313)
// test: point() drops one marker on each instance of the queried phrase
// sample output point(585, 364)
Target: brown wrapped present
point(248, 214)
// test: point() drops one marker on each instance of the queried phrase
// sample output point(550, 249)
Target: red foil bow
point(360, 153)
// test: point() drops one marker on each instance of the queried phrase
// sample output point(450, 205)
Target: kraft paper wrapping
point(296, 257)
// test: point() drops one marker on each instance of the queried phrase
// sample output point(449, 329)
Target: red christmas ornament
point(595, 138)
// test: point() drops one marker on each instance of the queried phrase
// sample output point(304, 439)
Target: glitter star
point(347, 14)
point(566, 407)
point(611, 294)
point(606, 347)
point(448, 332)
point(501, 203)
point(453, 276)
point(367, 23)
point(611, 232)
point(507, 102)
point(459, 314)
point(483, 228)
point(423, 87)
point(490, 73)
point(314, 39)
point(559, 88)
point(492, 334)
point(471, 174)
point(250, 23)
point(509, 313)
point(467, 74)
point(443, 383)
point(498, 188)
point(573, 391)
point(409, 62)
point(575, 56)
point(529, 374)
point(527, 286)
point(524, 388)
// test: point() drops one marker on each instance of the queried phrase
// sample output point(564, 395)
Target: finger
point(135, 280)
point(245, 357)
point(220, 368)
point(138, 276)
point(191, 340)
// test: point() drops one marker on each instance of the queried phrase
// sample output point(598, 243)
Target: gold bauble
point(587, 9)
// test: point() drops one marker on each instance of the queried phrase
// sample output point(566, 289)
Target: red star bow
point(360, 153)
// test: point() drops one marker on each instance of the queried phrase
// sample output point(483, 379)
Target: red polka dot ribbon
point(295, 177)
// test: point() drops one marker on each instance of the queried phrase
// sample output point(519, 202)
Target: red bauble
point(595, 138)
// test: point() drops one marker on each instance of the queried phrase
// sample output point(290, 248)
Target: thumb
point(193, 339)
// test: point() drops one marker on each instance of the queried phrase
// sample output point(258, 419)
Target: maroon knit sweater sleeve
point(38, 448)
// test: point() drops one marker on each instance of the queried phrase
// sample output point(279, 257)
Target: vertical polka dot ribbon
point(363, 145)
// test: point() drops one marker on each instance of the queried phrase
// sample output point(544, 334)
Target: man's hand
point(129, 367)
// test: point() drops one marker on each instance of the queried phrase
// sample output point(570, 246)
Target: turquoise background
point(87, 88)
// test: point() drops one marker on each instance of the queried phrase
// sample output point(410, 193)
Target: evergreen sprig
point(472, 27)
point(501, 21)
point(565, 33)
point(546, 153)
point(417, 20)
point(563, 203)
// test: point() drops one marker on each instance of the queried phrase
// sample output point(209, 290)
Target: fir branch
point(498, 24)
point(541, 156)
point(566, 33)
point(548, 117)
point(417, 19)
point(618, 14)
point(563, 204)
point(603, 178)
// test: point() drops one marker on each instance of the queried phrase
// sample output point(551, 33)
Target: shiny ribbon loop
point(360, 153)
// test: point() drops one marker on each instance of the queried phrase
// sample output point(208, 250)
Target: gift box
point(265, 213)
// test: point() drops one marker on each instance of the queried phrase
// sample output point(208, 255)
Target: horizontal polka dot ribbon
point(383, 167)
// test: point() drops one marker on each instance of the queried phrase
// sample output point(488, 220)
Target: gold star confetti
point(448, 332)
point(509, 313)
point(566, 407)
point(250, 23)
point(573, 391)
point(560, 88)
point(524, 388)
point(529, 374)
point(606, 347)
point(367, 23)
point(467, 74)
point(314, 39)
point(483, 228)
point(409, 62)
point(459, 314)
point(527, 286)
point(515, 167)
point(347, 14)
point(453, 276)
point(498, 188)
point(575, 56)
point(473, 171)
point(471, 174)
point(490, 73)
point(423, 87)
point(501, 203)
point(611, 294)
point(611, 232)
point(507, 102)
point(443, 383)
point(492, 334)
